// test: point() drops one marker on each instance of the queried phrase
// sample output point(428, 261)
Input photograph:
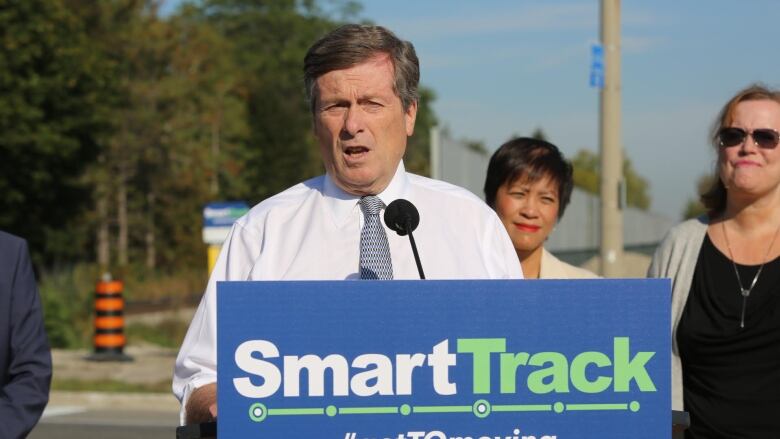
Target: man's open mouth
point(355, 150)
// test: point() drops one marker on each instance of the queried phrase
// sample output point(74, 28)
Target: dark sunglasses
point(766, 138)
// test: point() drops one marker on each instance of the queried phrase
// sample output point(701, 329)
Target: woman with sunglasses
point(529, 184)
point(725, 271)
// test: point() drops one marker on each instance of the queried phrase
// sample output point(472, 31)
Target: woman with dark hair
point(529, 185)
point(725, 272)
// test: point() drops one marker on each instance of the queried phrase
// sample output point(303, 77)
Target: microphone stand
point(414, 250)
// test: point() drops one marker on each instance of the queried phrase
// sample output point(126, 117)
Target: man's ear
point(313, 109)
point(410, 116)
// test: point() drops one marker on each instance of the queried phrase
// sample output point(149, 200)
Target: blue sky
point(505, 67)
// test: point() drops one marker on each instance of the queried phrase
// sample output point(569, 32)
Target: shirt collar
point(342, 204)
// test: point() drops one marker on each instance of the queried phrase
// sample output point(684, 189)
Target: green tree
point(418, 150)
point(539, 134)
point(203, 136)
point(119, 124)
point(637, 187)
point(52, 85)
point(179, 136)
point(120, 30)
point(586, 177)
point(268, 43)
point(694, 207)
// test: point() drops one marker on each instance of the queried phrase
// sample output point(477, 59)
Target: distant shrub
point(67, 295)
point(168, 333)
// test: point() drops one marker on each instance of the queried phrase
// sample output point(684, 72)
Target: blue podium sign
point(444, 359)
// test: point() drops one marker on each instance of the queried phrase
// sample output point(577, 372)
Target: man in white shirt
point(362, 85)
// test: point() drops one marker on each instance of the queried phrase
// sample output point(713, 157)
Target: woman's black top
point(731, 376)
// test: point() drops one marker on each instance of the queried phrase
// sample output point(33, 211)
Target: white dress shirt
point(312, 232)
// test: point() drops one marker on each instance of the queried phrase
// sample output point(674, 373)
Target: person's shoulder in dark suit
point(25, 358)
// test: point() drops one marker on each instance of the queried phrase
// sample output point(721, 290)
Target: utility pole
point(609, 133)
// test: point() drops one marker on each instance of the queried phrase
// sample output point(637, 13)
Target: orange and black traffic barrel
point(109, 338)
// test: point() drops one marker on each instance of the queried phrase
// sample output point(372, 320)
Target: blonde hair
point(714, 198)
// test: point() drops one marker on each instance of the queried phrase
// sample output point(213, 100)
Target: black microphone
point(402, 217)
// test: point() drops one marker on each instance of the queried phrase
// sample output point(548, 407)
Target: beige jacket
point(554, 268)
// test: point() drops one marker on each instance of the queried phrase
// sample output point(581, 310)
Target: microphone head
point(402, 217)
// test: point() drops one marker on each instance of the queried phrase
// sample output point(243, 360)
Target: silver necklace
point(746, 291)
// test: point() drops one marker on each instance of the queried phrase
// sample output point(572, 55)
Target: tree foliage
point(539, 134)
point(418, 150)
point(694, 207)
point(586, 176)
point(119, 124)
point(52, 115)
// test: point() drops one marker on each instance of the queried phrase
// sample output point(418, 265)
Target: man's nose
point(353, 120)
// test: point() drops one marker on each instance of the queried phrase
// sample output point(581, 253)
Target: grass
point(78, 385)
point(67, 295)
point(168, 333)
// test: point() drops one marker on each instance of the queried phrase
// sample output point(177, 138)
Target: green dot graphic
point(406, 409)
point(481, 408)
point(634, 406)
point(257, 412)
point(331, 410)
point(558, 407)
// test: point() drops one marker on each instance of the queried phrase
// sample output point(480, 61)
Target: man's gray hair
point(352, 44)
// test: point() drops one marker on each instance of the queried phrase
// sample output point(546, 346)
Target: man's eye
point(333, 107)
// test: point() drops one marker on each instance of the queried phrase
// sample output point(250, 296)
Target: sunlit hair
point(353, 44)
point(714, 198)
point(530, 160)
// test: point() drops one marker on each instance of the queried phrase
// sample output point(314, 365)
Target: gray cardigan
point(676, 259)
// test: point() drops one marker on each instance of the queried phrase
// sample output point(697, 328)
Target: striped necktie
point(375, 262)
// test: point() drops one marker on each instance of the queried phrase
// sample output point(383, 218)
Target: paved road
point(111, 415)
point(77, 422)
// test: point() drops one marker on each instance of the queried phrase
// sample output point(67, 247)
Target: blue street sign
point(218, 219)
point(597, 66)
point(223, 213)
